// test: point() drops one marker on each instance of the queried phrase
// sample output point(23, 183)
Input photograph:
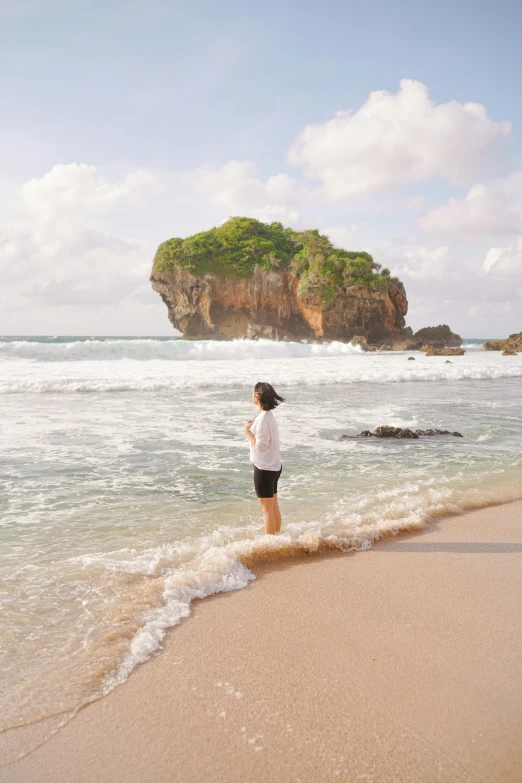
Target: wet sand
point(402, 663)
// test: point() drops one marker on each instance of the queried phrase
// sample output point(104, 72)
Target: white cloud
point(485, 210)
point(490, 309)
point(420, 263)
point(423, 311)
point(395, 140)
point(444, 283)
point(505, 262)
point(343, 236)
point(236, 187)
point(414, 203)
point(76, 189)
point(57, 250)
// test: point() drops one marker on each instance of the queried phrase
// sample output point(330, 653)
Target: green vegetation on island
point(238, 246)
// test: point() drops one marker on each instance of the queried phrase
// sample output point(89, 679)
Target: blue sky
point(164, 118)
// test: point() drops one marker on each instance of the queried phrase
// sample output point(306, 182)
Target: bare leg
point(277, 514)
point(267, 507)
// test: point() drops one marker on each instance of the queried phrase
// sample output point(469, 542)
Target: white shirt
point(265, 453)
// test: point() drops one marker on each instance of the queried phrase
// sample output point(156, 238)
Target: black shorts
point(265, 482)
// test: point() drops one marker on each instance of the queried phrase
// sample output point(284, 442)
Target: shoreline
point(257, 555)
point(343, 671)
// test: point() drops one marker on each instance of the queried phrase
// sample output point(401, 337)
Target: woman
point(264, 454)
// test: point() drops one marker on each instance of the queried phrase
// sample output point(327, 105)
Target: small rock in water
point(438, 432)
point(401, 432)
point(411, 358)
point(445, 352)
point(448, 362)
point(394, 432)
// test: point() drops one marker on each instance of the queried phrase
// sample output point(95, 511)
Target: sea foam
point(101, 366)
point(169, 350)
point(225, 568)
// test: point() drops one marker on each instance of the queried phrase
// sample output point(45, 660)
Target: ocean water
point(126, 490)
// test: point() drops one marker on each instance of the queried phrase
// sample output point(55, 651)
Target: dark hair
point(268, 397)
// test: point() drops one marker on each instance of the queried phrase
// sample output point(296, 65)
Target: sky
point(395, 128)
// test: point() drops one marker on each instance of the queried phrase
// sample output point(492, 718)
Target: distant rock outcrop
point(509, 347)
point(436, 337)
point(429, 337)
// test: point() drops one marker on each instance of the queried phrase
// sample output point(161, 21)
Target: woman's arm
point(261, 440)
point(250, 435)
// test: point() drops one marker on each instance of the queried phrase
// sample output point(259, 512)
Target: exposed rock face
point(390, 432)
point(436, 337)
point(424, 433)
point(268, 304)
point(512, 345)
point(246, 278)
point(401, 432)
point(445, 352)
point(429, 337)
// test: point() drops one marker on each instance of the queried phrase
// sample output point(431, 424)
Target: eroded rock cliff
point(249, 279)
point(269, 304)
point(510, 346)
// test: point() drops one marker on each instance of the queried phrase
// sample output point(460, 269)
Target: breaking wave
point(147, 349)
point(190, 376)
point(62, 366)
point(177, 574)
point(218, 567)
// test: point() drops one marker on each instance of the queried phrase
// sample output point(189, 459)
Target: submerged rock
point(411, 358)
point(401, 432)
point(438, 432)
point(445, 352)
point(394, 432)
point(386, 432)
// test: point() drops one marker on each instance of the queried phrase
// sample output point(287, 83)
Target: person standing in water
point(263, 435)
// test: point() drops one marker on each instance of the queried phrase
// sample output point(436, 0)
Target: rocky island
point(252, 279)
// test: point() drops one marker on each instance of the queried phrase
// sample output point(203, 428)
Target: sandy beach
point(401, 663)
